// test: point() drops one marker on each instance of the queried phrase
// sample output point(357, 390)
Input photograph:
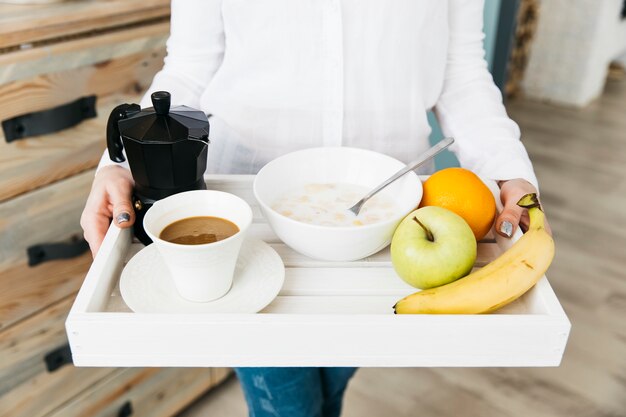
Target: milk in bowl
point(326, 204)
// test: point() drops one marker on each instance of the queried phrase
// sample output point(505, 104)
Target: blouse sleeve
point(470, 106)
point(195, 50)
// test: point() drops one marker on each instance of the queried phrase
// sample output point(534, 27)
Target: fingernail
point(122, 218)
point(507, 228)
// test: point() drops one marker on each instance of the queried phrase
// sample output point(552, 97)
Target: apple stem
point(429, 235)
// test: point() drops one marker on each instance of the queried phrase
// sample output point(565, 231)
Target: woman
point(281, 75)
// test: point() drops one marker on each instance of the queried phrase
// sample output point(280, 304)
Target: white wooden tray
point(327, 314)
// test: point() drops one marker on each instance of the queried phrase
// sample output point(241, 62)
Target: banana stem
point(535, 212)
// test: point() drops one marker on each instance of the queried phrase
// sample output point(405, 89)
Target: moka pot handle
point(114, 140)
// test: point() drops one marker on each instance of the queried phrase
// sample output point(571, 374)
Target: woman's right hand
point(110, 198)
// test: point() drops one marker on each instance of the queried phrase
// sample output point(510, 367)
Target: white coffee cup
point(203, 272)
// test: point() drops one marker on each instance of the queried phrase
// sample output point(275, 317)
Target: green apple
point(433, 246)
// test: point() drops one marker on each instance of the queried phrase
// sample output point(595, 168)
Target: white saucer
point(147, 287)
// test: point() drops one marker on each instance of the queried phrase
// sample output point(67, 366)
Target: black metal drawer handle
point(50, 120)
point(125, 410)
point(58, 357)
point(48, 251)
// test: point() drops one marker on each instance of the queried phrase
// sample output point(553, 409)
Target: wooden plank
point(20, 24)
point(485, 254)
point(152, 392)
point(33, 337)
point(27, 63)
point(242, 188)
point(130, 74)
point(27, 389)
point(219, 375)
point(34, 162)
point(357, 281)
point(49, 214)
point(45, 391)
point(332, 304)
point(356, 305)
point(262, 231)
point(26, 290)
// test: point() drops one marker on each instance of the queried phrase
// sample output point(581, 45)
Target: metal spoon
point(426, 156)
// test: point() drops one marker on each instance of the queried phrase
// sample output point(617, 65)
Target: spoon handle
point(426, 156)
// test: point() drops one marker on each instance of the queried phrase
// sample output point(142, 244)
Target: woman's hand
point(513, 215)
point(110, 198)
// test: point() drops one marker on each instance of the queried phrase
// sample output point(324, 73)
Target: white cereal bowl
point(335, 165)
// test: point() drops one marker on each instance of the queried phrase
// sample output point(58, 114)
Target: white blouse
point(282, 75)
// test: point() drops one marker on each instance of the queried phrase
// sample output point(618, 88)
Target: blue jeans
point(294, 392)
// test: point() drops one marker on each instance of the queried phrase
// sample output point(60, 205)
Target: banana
point(497, 284)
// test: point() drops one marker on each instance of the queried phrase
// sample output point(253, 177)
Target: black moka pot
point(166, 148)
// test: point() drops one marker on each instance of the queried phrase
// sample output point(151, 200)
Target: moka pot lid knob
point(161, 101)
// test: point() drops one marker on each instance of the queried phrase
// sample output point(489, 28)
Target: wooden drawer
point(50, 213)
point(114, 50)
point(26, 290)
point(30, 163)
point(51, 55)
point(151, 392)
point(27, 388)
point(34, 303)
point(46, 215)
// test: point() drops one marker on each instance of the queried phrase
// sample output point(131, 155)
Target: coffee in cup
point(198, 230)
point(210, 227)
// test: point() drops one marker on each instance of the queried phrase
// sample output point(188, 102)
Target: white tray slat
point(327, 314)
point(263, 232)
point(344, 281)
point(353, 304)
point(382, 259)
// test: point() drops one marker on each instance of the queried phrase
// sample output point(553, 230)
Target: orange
point(464, 193)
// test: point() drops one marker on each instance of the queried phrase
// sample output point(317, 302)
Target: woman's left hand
point(514, 216)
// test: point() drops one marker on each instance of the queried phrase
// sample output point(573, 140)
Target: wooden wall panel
point(30, 163)
point(33, 163)
point(128, 74)
point(50, 214)
point(26, 387)
point(51, 55)
point(152, 392)
point(20, 24)
point(33, 337)
point(26, 290)
point(27, 63)
point(46, 391)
